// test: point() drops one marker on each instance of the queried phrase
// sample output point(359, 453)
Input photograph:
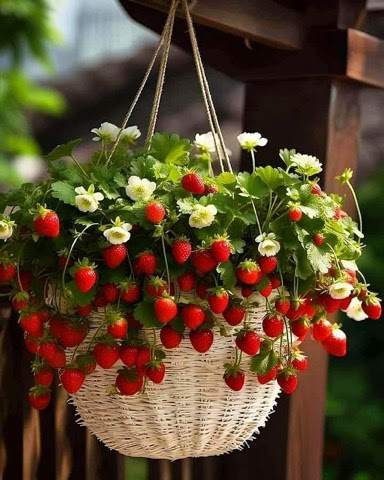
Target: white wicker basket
point(192, 413)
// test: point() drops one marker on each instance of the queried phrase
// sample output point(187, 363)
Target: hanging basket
point(97, 257)
point(192, 413)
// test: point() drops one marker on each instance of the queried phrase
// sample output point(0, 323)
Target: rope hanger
point(164, 44)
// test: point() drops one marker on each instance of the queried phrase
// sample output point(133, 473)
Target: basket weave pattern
point(192, 413)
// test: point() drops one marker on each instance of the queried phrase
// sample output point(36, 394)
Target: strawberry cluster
point(158, 251)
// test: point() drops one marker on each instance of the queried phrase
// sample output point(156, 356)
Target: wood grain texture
point(263, 21)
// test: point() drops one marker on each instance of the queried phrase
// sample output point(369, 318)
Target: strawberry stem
point(166, 263)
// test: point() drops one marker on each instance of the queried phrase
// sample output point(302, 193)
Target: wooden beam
point(346, 54)
point(262, 21)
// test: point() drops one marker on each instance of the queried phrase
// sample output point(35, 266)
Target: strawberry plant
point(152, 240)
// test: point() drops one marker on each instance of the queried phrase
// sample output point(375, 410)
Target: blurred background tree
point(26, 32)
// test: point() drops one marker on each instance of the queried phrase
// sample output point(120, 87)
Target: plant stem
point(357, 207)
point(80, 167)
point(256, 215)
point(166, 262)
point(253, 160)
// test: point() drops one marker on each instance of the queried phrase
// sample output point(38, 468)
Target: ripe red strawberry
point(44, 376)
point(31, 343)
point(300, 362)
point(132, 322)
point(128, 354)
point(267, 290)
point(59, 360)
point(267, 264)
point(114, 255)
point(202, 289)
point(308, 308)
point(372, 307)
point(267, 377)
point(316, 190)
point(181, 250)
point(201, 340)
point(26, 279)
point(193, 316)
point(118, 328)
point(210, 189)
point(345, 302)
point(282, 305)
point(106, 354)
point(147, 263)
point(193, 183)
point(248, 342)
point(221, 250)
point(218, 301)
point(44, 314)
point(203, 261)
point(20, 301)
point(47, 350)
point(7, 271)
point(73, 333)
point(142, 358)
point(46, 223)
point(235, 380)
point(321, 329)
point(39, 401)
point(318, 239)
point(246, 292)
point(288, 381)
point(156, 286)
point(249, 272)
point(155, 212)
point(86, 363)
point(165, 309)
point(186, 281)
point(273, 326)
point(72, 379)
point(99, 301)
point(56, 326)
point(275, 282)
point(295, 214)
point(330, 304)
point(169, 337)
point(84, 310)
point(296, 310)
point(337, 214)
point(234, 315)
point(155, 373)
point(85, 276)
point(111, 292)
point(300, 327)
point(32, 324)
point(129, 381)
point(130, 291)
point(336, 343)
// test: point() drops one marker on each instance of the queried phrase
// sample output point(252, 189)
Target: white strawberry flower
point(355, 310)
point(139, 188)
point(118, 233)
point(205, 142)
point(107, 131)
point(250, 141)
point(130, 134)
point(202, 216)
point(88, 200)
point(340, 290)
point(6, 229)
point(306, 164)
point(268, 245)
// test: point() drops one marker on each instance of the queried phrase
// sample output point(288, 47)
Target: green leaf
point(143, 167)
point(81, 298)
point(264, 362)
point(178, 324)
point(286, 155)
point(319, 259)
point(83, 221)
point(303, 266)
point(59, 170)
point(186, 205)
point(270, 176)
point(170, 149)
point(225, 178)
point(120, 180)
point(64, 150)
point(145, 314)
point(238, 244)
point(64, 192)
point(252, 185)
point(227, 274)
